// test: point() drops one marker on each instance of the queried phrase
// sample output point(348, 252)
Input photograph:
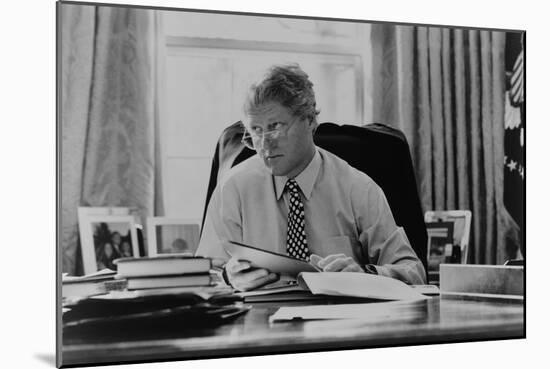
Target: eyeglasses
point(255, 139)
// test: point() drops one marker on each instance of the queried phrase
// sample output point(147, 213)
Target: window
point(209, 69)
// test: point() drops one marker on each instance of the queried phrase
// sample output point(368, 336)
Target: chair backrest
point(380, 151)
point(462, 220)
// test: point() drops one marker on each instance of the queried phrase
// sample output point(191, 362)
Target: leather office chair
point(380, 151)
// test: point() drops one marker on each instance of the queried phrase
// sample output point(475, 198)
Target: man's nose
point(267, 141)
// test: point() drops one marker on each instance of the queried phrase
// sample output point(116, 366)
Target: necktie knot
point(292, 186)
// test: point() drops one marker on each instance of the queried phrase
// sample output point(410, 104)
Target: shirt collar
point(305, 180)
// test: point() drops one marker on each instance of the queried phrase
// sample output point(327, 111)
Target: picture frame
point(183, 235)
point(462, 220)
point(440, 247)
point(100, 231)
point(186, 162)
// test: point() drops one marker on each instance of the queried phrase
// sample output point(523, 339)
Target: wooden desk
point(445, 319)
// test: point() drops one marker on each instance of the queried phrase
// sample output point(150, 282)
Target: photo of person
point(116, 240)
point(179, 245)
point(177, 238)
point(111, 241)
point(125, 249)
point(105, 257)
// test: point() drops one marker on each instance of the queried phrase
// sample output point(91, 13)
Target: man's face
point(290, 153)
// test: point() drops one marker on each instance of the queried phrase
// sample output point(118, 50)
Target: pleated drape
point(109, 115)
point(449, 89)
point(77, 44)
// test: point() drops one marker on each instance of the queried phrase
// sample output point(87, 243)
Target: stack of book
point(161, 294)
point(165, 271)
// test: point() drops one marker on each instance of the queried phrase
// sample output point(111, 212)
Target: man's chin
point(276, 171)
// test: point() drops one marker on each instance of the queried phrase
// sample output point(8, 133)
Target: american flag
point(516, 82)
point(514, 132)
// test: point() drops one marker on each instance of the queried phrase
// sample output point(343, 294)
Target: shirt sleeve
point(385, 243)
point(222, 223)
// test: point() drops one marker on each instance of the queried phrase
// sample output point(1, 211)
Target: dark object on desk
point(362, 147)
point(107, 306)
point(133, 317)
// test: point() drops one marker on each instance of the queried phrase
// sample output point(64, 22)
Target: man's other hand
point(336, 263)
point(244, 278)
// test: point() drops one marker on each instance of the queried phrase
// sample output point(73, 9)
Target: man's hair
point(287, 85)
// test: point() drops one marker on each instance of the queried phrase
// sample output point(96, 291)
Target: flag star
point(512, 165)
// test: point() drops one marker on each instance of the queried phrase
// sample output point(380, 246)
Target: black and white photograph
point(307, 184)
point(461, 221)
point(172, 236)
point(111, 241)
point(441, 248)
point(105, 239)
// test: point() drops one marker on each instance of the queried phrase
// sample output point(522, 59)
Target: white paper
point(375, 311)
point(359, 285)
point(91, 276)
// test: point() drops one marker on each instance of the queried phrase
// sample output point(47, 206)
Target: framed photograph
point(172, 236)
point(440, 247)
point(462, 220)
point(85, 211)
point(106, 238)
point(434, 114)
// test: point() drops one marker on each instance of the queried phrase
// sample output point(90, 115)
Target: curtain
point(445, 89)
point(109, 115)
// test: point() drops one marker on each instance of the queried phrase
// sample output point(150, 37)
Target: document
point(358, 285)
point(102, 274)
point(310, 278)
point(341, 284)
point(369, 311)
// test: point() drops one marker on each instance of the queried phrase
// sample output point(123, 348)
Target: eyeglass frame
point(274, 134)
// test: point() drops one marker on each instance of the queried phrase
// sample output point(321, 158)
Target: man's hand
point(244, 278)
point(336, 263)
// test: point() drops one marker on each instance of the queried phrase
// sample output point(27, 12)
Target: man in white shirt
point(298, 199)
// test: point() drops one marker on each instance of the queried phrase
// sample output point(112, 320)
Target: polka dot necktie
point(296, 241)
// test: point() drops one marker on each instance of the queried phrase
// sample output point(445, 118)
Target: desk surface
point(445, 319)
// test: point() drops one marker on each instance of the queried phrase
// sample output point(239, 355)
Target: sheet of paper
point(97, 275)
point(359, 285)
point(376, 311)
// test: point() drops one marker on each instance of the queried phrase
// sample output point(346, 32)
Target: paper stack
point(87, 285)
